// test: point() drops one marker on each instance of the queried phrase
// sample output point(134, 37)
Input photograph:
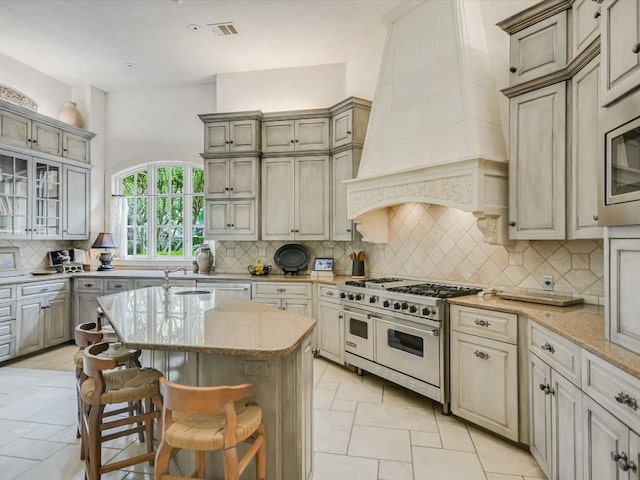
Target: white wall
point(143, 124)
point(317, 86)
point(46, 91)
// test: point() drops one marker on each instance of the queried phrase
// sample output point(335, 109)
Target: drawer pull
point(482, 355)
point(44, 289)
point(481, 323)
point(330, 293)
point(117, 285)
point(615, 456)
point(548, 347)
point(281, 290)
point(547, 389)
point(627, 400)
point(87, 285)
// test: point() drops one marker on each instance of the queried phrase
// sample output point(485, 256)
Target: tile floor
point(365, 429)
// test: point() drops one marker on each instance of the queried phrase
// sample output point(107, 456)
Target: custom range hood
point(434, 135)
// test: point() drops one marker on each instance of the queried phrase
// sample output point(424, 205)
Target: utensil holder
point(357, 269)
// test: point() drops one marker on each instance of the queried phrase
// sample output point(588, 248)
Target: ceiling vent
point(223, 29)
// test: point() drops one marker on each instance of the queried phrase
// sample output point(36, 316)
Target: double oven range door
point(396, 343)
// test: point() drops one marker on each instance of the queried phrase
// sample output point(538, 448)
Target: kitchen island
point(211, 338)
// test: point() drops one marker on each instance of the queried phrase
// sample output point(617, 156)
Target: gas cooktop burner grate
point(435, 290)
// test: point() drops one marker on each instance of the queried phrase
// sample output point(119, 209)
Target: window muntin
point(165, 210)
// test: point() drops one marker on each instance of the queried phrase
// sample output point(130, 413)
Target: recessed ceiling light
point(193, 27)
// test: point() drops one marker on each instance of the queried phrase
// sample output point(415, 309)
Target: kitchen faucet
point(166, 284)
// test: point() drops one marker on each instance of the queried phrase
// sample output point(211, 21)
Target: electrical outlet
point(256, 368)
point(547, 282)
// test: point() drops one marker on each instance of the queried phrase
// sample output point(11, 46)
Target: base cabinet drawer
point(7, 348)
point(612, 388)
point(281, 290)
point(558, 352)
point(485, 323)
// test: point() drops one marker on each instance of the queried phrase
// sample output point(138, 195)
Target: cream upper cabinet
point(46, 138)
point(231, 136)
point(344, 165)
point(539, 49)
point(342, 125)
point(349, 121)
point(586, 158)
point(228, 178)
point(75, 147)
point(290, 135)
point(15, 130)
point(620, 37)
point(585, 29)
point(231, 220)
point(76, 208)
point(537, 164)
point(295, 198)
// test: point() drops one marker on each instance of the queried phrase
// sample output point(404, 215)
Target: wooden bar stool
point(205, 419)
point(106, 385)
point(90, 333)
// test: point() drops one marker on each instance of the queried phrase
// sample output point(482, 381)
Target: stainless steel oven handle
point(351, 313)
point(435, 332)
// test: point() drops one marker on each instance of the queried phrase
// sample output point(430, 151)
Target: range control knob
point(358, 296)
point(413, 309)
point(405, 305)
point(396, 306)
point(373, 299)
point(386, 303)
point(343, 295)
point(426, 311)
point(352, 296)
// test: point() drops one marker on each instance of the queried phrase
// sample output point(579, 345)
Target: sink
point(193, 292)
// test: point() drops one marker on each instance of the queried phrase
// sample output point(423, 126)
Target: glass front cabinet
point(31, 198)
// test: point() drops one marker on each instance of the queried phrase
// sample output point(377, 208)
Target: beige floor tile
point(31, 449)
point(359, 392)
point(501, 457)
point(338, 373)
point(455, 436)
point(441, 417)
point(323, 398)
point(12, 467)
point(502, 476)
point(381, 443)
point(344, 405)
point(44, 432)
point(390, 470)
point(396, 416)
point(432, 463)
point(331, 431)
point(327, 385)
point(132, 450)
point(395, 395)
point(340, 467)
point(426, 439)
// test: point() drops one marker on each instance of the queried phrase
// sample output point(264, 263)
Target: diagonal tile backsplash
point(431, 242)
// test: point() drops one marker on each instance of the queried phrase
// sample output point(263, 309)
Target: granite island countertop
point(154, 319)
point(581, 324)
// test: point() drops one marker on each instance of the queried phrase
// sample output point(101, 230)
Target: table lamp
point(105, 240)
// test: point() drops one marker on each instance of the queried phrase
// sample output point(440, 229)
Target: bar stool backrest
point(87, 334)
point(202, 400)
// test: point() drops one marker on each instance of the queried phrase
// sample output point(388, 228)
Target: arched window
point(164, 204)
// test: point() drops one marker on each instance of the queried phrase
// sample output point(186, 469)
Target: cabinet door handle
point(595, 217)
point(626, 466)
point(297, 139)
point(627, 400)
point(482, 355)
point(232, 225)
point(65, 150)
point(226, 189)
point(513, 69)
point(36, 141)
point(230, 142)
point(348, 230)
point(481, 323)
point(293, 141)
point(547, 389)
point(231, 189)
point(548, 347)
point(635, 49)
point(597, 14)
point(348, 132)
point(615, 456)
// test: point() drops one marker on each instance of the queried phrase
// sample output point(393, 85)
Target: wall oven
point(619, 183)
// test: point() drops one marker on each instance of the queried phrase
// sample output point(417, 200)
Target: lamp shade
point(104, 240)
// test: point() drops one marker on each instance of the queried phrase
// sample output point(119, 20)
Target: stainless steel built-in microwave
point(620, 182)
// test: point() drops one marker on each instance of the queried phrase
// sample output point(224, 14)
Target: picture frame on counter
point(10, 262)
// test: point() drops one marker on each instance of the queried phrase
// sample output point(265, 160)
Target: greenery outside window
point(164, 210)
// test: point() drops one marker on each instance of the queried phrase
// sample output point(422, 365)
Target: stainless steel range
point(397, 329)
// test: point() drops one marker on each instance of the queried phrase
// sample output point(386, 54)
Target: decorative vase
point(204, 259)
point(70, 114)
